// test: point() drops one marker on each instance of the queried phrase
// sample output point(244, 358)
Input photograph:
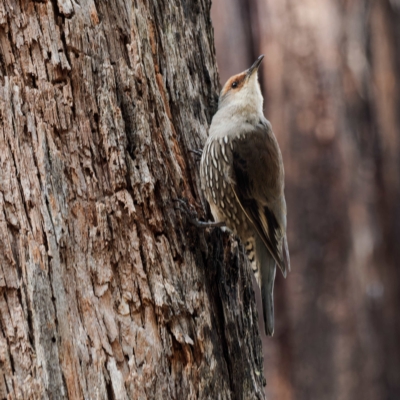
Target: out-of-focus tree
point(331, 78)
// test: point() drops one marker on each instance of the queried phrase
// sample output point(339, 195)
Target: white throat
point(241, 108)
point(247, 102)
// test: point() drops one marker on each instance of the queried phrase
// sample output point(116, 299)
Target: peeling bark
point(105, 291)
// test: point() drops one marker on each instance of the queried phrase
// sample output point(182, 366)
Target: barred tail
point(250, 247)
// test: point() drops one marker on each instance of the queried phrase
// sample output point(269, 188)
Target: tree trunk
point(331, 83)
point(106, 292)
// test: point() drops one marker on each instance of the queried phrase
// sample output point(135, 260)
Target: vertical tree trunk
point(105, 291)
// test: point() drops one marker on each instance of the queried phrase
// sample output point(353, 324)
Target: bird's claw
point(197, 152)
point(192, 216)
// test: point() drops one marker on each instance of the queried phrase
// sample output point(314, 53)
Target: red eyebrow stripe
point(239, 78)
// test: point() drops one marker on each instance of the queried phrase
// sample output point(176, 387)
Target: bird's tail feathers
point(266, 270)
point(286, 257)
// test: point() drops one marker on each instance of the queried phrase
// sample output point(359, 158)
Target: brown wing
point(258, 171)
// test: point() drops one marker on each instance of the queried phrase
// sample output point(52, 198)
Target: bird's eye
point(234, 85)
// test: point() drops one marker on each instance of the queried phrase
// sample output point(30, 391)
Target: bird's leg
point(197, 152)
point(192, 216)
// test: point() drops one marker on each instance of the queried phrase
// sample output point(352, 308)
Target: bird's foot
point(192, 216)
point(197, 152)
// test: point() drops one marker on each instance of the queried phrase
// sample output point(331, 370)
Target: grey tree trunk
point(106, 292)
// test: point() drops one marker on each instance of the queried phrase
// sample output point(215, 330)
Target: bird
point(242, 176)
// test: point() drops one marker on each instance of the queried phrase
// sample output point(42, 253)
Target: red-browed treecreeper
point(243, 179)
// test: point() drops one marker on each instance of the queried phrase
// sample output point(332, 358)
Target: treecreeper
point(242, 176)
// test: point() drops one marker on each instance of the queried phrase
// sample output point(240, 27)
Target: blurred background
point(330, 78)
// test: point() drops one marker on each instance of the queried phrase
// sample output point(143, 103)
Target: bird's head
point(242, 91)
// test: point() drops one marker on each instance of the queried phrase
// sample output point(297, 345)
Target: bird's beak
point(254, 67)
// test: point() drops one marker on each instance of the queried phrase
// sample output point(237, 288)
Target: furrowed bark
point(105, 291)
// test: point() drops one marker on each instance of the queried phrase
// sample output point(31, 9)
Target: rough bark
point(331, 85)
point(105, 291)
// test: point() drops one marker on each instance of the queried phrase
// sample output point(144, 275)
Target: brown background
point(330, 80)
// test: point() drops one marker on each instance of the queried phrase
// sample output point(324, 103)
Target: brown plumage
point(243, 179)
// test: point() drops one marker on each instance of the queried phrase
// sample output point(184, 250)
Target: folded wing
point(258, 170)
